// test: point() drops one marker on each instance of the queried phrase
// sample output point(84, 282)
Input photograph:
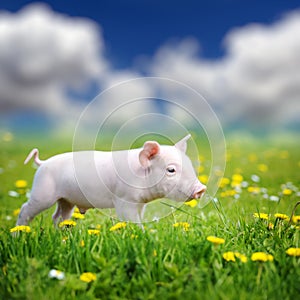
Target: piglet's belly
point(85, 195)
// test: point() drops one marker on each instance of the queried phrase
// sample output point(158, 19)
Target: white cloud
point(257, 81)
point(43, 54)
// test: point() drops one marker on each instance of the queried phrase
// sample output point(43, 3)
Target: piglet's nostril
point(199, 192)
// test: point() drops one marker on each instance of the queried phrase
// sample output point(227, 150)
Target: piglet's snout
point(199, 191)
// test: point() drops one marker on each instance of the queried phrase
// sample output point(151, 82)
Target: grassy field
point(99, 258)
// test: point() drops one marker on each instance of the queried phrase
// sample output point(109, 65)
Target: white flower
point(255, 178)
point(13, 194)
point(244, 184)
point(56, 274)
point(274, 198)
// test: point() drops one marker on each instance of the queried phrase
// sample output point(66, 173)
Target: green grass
point(163, 262)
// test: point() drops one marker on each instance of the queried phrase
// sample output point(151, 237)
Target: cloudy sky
point(243, 57)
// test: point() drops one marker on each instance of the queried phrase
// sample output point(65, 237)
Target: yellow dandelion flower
point(184, 225)
point(284, 154)
point(76, 210)
point(262, 167)
point(21, 184)
point(252, 157)
point(16, 212)
point(235, 184)
point(192, 203)
point(261, 256)
point(229, 256)
point(237, 178)
point(118, 226)
point(67, 223)
point(134, 236)
point(261, 216)
point(82, 243)
point(93, 231)
point(224, 182)
point(88, 277)
point(270, 226)
point(215, 240)
point(201, 169)
point(154, 253)
point(243, 258)
point(296, 218)
point(76, 215)
point(293, 251)
point(203, 178)
point(281, 216)
point(20, 228)
point(253, 189)
point(287, 192)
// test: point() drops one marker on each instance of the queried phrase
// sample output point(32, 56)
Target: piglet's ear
point(181, 145)
point(150, 149)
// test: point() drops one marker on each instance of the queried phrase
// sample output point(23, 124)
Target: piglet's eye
point(171, 170)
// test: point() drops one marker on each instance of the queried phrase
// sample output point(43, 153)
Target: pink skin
point(125, 180)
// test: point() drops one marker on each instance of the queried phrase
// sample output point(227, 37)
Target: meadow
point(242, 245)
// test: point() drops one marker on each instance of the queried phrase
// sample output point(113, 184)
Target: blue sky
point(242, 56)
point(132, 28)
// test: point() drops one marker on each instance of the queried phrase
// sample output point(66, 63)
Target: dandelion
point(185, 225)
point(253, 189)
point(262, 216)
point(270, 226)
point(284, 154)
point(118, 226)
point(203, 178)
point(229, 193)
point(262, 168)
point(243, 258)
point(237, 178)
point(261, 256)
point(296, 218)
point(215, 240)
point(154, 253)
point(16, 212)
point(88, 277)
point(134, 236)
point(93, 231)
point(78, 215)
point(293, 251)
point(252, 157)
point(56, 274)
point(192, 203)
point(76, 210)
point(281, 216)
point(67, 223)
point(224, 182)
point(287, 192)
point(21, 184)
point(20, 228)
point(229, 256)
point(82, 243)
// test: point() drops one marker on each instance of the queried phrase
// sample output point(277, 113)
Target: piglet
point(124, 180)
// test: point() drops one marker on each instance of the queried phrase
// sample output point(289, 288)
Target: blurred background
point(57, 56)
